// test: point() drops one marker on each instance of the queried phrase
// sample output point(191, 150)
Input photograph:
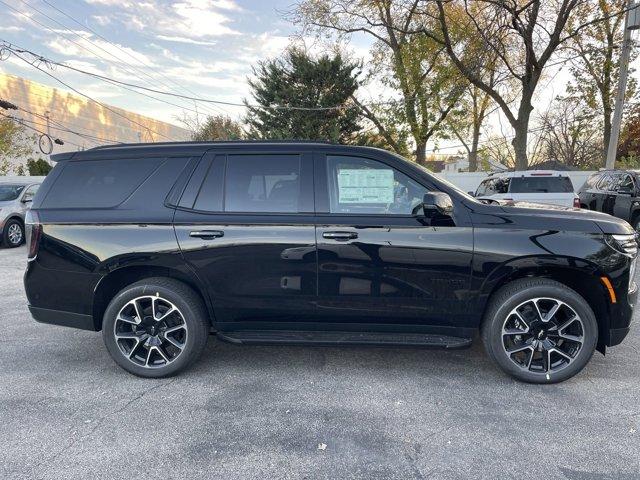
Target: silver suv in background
point(532, 186)
point(15, 199)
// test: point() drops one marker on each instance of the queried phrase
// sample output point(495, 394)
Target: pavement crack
point(98, 423)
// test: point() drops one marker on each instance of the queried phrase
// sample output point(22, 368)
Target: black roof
point(158, 148)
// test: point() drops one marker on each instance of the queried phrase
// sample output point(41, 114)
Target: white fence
point(469, 181)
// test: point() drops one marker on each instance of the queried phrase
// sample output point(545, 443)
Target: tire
point(170, 337)
point(635, 223)
point(564, 344)
point(13, 234)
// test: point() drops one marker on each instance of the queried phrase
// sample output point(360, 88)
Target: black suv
point(615, 192)
point(307, 243)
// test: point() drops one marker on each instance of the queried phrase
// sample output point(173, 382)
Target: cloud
point(101, 20)
point(192, 41)
point(11, 28)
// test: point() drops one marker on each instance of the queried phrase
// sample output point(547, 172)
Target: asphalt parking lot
point(67, 411)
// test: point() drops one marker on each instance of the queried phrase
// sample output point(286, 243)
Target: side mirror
point(27, 200)
point(473, 194)
point(437, 202)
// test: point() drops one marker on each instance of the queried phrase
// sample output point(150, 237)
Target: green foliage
point(14, 144)
point(217, 128)
point(302, 81)
point(38, 167)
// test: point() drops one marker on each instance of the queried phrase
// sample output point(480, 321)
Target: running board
point(328, 338)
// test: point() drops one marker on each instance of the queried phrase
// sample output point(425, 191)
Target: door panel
point(402, 272)
point(253, 272)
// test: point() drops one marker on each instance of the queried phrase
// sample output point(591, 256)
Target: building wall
point(96, 124)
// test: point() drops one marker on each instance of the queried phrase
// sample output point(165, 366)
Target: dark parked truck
point(160, 245)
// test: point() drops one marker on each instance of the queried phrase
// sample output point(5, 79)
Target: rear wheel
point(13, 235)
point(539, 330)
point(155, 328)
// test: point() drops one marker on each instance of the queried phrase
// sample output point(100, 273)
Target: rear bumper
point(65, 319)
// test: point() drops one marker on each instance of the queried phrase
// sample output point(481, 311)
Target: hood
point(568, 218)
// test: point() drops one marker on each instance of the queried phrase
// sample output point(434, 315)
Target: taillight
point(34, 233)
point(576, 202)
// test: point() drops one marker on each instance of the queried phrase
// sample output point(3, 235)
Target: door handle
point(206, 234)
point(340, 235)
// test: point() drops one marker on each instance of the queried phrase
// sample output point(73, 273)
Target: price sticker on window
point(365, 186)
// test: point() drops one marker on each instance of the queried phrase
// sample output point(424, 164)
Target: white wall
point(469, 181)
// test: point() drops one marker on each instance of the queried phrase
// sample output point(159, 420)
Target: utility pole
point(632, 22)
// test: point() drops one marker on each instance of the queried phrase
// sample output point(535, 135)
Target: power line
point(106, 107)
point(84, 47)
point(138, 69)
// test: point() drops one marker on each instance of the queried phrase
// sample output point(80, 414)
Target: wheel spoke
point(560, 352)
point(167, 313)
point(149, 351)
point(132, 321)
point(519, 349)
point(159, 350)
point(552, 312)
point(513, 331)
point(138, 311)
point(535, 304)
point(135, 347)
point(521, 319)
point(572, 338)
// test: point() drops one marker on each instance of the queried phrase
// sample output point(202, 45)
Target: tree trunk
point(606, 134)
point(421, 153)
point(473, 154)
point(519, 143)
point(521, 130)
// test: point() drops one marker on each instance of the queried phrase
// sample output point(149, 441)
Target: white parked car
point(533, 186)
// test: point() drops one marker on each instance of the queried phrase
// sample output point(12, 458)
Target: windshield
point(10, 192)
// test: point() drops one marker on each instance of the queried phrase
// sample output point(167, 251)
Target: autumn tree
point(570, 135)
point(298, 96)
point(216, 128)
point(15, 145)
point(524, 36)
point(417, 67)
point(595, 62)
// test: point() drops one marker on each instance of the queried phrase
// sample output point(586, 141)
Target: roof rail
point(214, 142)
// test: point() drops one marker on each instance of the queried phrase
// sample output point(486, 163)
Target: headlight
point(624, 244)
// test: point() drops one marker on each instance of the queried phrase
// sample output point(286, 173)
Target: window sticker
point(365, 186)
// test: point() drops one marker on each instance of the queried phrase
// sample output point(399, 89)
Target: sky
point(204, 48)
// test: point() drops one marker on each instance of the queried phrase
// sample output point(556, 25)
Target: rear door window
point(541, 185)
point(262, 183)
point(99, 183)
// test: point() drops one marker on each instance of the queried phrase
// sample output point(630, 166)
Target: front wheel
point(539, 330)
point(155, 328)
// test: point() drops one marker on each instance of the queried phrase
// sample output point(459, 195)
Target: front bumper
point(621, 316)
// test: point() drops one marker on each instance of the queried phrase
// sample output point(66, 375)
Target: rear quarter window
point(541, 185)
point(99, 183)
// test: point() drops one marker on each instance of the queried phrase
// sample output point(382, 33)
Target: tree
point(523, 35)
point(629, 148)
point(414, 65)
point(15, 144)
point(570, 135)
point(38, 167)
point(216, 128)
point(305, 98)
point(595, 62)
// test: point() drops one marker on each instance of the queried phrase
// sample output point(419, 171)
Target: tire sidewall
point(189, 315)
point(570, 297)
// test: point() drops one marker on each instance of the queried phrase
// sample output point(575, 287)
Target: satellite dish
point(45, 144)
